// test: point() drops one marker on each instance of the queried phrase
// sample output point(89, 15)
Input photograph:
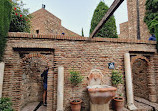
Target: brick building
point(26, 55)
point(130, 28)
point(44, 22)
point(25, 61)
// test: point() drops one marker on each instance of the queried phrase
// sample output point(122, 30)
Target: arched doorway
point(32, 83)
point(140, 77)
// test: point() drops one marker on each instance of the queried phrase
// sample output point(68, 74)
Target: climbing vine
point(5, 9)
point(20, 21)
point(14, 18)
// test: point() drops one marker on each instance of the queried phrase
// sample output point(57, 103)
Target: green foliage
point(117, 77)
point(151, 17)
point(5, 17)
point(151, 14)
point(121, 94)
point(156, 34)
point(20, 18)
point(5, 104)
point(75, 77)
point(82, 32)
point(109, 28)
point(152, 25)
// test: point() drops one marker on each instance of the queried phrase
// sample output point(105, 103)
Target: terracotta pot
point(118, 103)
point(76, 105)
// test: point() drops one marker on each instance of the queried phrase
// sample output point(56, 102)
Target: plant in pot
point(75, 79)
point(117, 79)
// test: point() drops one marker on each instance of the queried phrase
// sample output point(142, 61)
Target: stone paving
point(143, 105)
point(139, 103)
point(32, 106)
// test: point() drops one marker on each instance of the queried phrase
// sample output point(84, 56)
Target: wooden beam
point(109, 13)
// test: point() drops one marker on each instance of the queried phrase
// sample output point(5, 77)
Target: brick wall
point(47, 23)
point(132, 21)
point(71, 52)
point(156, 71)
point(140, 81)
point(39, 20)
point(124, 30)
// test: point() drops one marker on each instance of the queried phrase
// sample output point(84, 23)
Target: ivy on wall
point(14, 18)
point(5, 9)
point(151, 17)
point(109, 29)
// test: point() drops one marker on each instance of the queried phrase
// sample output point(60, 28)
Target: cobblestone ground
point(32, 106)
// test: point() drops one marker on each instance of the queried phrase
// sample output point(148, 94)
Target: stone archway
point(143, 76)
point(140, 78)
point(32, 66)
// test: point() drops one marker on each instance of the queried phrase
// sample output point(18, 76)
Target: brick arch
point(50, 72)
point(151, 83)
point(37, 55)
point(139, 57)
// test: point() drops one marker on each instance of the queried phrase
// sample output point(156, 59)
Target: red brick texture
point(79, 53)
point(47, 23)
point(129, 28)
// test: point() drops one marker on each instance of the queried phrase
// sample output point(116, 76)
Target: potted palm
point(117, 79)
point(75, 79)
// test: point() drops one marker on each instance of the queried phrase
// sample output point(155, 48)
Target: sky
point(76, 14)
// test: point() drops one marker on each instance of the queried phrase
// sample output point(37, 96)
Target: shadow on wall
point(140, 80)
point(32, 83)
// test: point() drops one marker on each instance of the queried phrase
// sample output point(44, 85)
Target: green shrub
point(75, 77)
point(151, 14)
point(109, 28)
point(117, 77)
point(82, 32)
point(151, 17)
point(5, 104)
point(20, 21)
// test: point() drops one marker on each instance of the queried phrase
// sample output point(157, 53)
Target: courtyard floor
point(141, 104)
point(32, 106)
point(144, 105)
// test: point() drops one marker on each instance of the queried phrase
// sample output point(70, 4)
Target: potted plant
point(6, 104)
point(75, 79)
point(117, 78)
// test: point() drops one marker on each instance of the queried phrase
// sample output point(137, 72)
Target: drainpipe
point(60, 90)
point(1, 77)
point(129, 85)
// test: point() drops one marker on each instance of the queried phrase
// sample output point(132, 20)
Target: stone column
point(129, 85)
point(60, 89)
point(1, 77)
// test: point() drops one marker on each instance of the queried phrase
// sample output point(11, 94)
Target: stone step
point(32, 106)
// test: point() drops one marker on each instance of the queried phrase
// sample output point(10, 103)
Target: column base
point(131, 107)
point(99, 107)
point(153, 98)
